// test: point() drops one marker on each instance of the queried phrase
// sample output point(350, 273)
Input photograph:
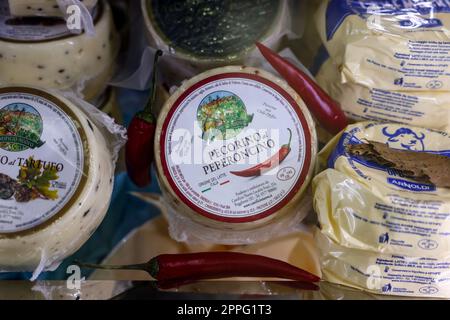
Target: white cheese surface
point(48, 8)
point(39, 232)
point(70, 62)
point(197, 159)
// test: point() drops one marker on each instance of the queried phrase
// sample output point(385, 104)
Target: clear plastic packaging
point(50, 56)
point(380, 230)
point(57, 175)
point(364, 205)
point(387, 60)
point(386, 274)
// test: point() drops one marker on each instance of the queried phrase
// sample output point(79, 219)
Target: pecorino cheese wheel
point(213, 137)
point(56, 178)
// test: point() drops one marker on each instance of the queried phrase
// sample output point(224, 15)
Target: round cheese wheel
point(49, 56)
point(235, 148)
point(209, 34)
point(56, 178)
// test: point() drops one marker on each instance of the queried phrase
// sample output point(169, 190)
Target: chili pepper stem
point(152, 267)
point(290, 138)
point(140, 266)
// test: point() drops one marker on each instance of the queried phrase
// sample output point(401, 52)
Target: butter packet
point(362, 204)
point(386, 274)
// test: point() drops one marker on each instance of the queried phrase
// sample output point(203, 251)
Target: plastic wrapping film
point(49, 56)
point(387, 60)
point(57, 178)
point(378, 226)
point(135, 72)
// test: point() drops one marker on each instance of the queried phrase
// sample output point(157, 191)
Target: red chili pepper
point(214, 265)
point(269, 164)
point(141, 133)
point(327, 111)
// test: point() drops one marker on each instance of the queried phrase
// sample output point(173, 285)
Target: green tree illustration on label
point(20, 127)
point(222, 115)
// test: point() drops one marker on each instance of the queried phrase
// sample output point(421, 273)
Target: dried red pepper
point(175, 268)
point(327, 111)
point(269, 164)
point(139, 152)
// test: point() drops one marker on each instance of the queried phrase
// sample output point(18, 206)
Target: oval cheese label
point(235, 147)
point(41, 158)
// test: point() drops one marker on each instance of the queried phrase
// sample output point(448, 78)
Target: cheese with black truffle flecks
point(235, 148)
point(47, 55)
point(56, 178)
point(48, 8)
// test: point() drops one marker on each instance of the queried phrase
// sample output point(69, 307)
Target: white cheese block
point(51, 57)
point(47, 8)
point(225, 121)
point(46, 218)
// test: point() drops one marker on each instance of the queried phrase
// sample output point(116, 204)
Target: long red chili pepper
point(214, 265)
point(327, 111)
point(269, 164)
point(141, 133)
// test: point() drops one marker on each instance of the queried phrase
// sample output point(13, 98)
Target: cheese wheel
point(50, 56)
point(46, 8)
point(209, 34)
point(56, 178)
point(214, 131)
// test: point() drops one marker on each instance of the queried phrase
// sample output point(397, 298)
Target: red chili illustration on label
point(269, 164)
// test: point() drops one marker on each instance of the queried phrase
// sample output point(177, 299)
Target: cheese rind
point(45, 8)
point(241, 107)
point(61, 225)
point(73, 62)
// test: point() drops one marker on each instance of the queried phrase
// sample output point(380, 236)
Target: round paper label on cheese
point(235, 147)
point(41, 158)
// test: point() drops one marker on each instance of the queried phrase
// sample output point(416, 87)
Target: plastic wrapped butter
point(47, 8)
point(363, 205)
point(235, 150)
point(426, 109)
point(387, 274)
point(48, 55)
point(56, 176)
point(392, 45)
